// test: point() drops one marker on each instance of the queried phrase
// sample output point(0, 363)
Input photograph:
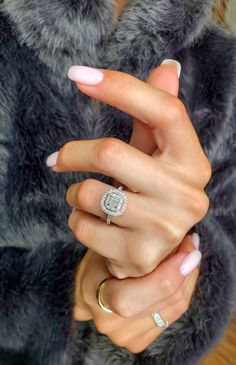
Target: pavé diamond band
point(114, 203)
point(159, 320)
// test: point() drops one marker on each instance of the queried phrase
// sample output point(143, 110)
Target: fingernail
point(196, 240)
point(173, 63)
point(52, 159)
point(85, 75)
point(190, 262)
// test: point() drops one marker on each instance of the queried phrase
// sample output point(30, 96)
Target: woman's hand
point(168, 290)
point(166, 194)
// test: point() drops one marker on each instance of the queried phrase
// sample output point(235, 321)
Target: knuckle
point(200, 205)
point(143, 259)
point(206, 171)
point(107, 152)
point(84, 193)
point(121, 305)
point(203, 170)
point(195, 204)
point(168, 288)
point(145, 264)
point(174, 235)
point(205, 204)
point(176, 109)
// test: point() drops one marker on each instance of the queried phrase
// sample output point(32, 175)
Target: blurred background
point(231, 14)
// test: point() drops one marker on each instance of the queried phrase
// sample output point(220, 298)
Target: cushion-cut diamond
point(114, 202)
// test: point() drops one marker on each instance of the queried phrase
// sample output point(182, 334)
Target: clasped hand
point(165, 171)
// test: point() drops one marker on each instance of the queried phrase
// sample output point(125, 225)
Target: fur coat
point(40, 110)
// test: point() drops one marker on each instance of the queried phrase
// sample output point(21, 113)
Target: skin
point(180, 174)
point(120, 5)
point(173, 196)
point(131, 325)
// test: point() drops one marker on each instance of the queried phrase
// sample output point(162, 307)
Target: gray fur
point(41, 110)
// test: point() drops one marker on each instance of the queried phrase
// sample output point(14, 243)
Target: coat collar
point(85, 32)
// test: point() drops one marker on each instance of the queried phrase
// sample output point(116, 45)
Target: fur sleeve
point(36, 300)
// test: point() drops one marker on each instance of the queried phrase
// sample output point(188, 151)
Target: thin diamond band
point(159, 320)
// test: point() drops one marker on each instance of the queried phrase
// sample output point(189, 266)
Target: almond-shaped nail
point(52, 159)
point(196, 240)
point(190, 262)
point(85, 75)
point(174, 64)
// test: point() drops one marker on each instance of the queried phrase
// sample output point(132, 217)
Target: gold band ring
point(99, 296)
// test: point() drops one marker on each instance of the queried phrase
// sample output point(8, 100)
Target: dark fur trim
point(41, 110)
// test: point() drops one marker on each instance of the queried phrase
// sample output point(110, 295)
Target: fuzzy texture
point(40, 110)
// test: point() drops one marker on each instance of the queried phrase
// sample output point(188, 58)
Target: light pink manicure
point(85, 75)
point(190, 262)
point(52, 160)
point(173, 63)
point(196, 240)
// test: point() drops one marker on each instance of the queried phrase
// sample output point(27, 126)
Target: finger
point(170, 314)
point(111, 157)
point(130, 297)
point(106, 240)
point(172, 129)
point(164, 77)
point(87, 195)
point(162, 305)
point(138, 332)
point(117, 327)
point(110, 241)
point(185, 246)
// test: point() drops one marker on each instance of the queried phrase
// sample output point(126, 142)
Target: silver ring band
point(159, 320)
point(114, 203)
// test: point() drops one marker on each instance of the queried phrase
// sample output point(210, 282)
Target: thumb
point(166, 78)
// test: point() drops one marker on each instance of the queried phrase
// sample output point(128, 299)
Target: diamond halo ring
point(113, 203)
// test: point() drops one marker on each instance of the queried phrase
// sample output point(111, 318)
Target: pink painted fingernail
point(196, 240)
point(52, 159)
point(190, 262)
point(85, 75)
point(173, 63)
